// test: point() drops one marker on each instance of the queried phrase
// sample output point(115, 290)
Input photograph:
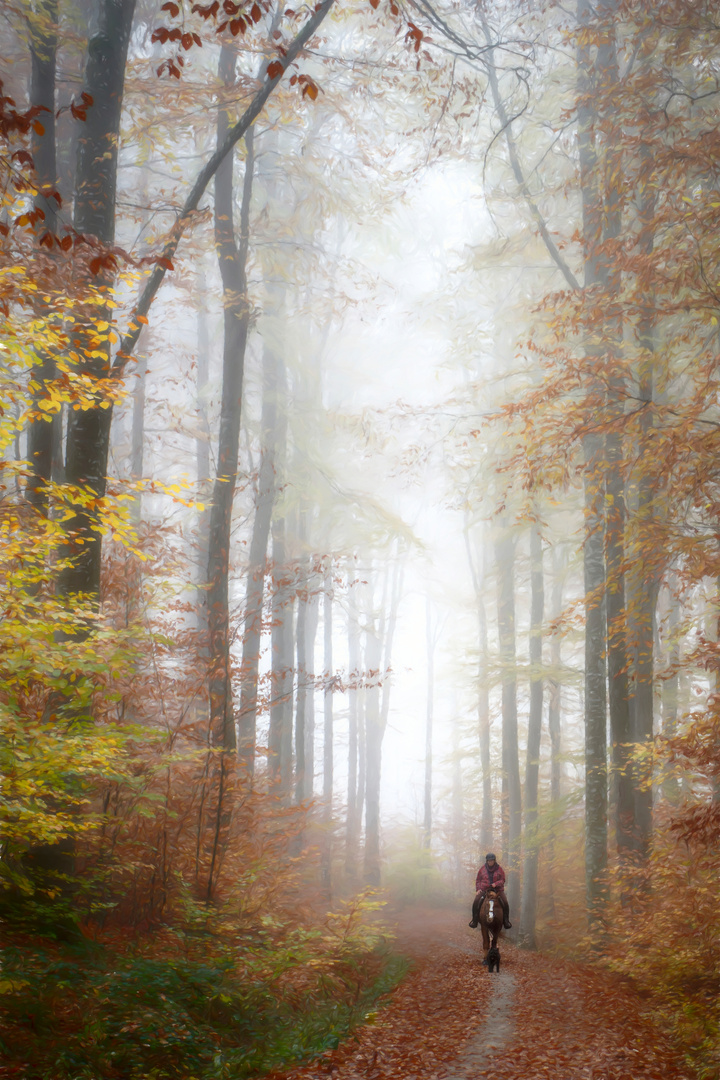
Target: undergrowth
point(181, 1009)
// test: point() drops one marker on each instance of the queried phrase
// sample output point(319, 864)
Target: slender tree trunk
point(483, 693)
point(670, 685)
point(232, 258)
point(554, 715)
point(511, 795)
point(311, 625)
point(530, 869)
point(43, 428)
point(328, 747)
point(373, 748)
point(202, 442)
point(643, 578)
point(255, 591)
point(281, 708)
point(429, 695)
point(457, 804)
point(302, 694)
point(596, 794)
point(352, 832)
point(378, 655)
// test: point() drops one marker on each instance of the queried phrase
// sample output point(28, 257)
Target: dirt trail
point(538, 1018)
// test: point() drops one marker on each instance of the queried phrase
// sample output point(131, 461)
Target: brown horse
point(491, 920)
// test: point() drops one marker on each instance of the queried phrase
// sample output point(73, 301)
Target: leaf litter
point(568, 1021)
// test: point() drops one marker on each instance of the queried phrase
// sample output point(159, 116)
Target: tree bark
point(281, 678)
point(643, 578)
point(483, 693)
point(429, 696)
point(232, 258)
point(328, 725)
point(554, 714)
point(354, 807)
point(530, 869)
point(257, 569)
point(511, 790)
point(88, 430)
point(43, 427)
point(373, 747)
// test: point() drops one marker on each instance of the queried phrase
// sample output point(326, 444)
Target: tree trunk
point(670, 685)
point(643, 579)
point(203, 439)
point(88, 430)
point(554, 715)
point(232, 258)
point(328, 762)
point(373, 748)
point(530, 869)
point(378, 654)
point(301, 695)
point(255, 590)
point(43, 427)
point(429, 695)
point(596, 796)
point(281, 679)
point(483, 693)
point(511, 790)
point(352, 831)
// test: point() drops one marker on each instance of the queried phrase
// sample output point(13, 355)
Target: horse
point(490, 918)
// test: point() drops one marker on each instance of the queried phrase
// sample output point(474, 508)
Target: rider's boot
point(507, 925)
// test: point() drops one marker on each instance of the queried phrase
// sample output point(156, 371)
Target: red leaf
point(46, 240)
point(165, 263)
point(171, 7)
point(66, 243)
point(38, 128)
point(255, 13)
point(275, 69)
point(311, 90)
point(187, 41)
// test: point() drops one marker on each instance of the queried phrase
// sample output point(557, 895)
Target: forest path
point(538, 1018)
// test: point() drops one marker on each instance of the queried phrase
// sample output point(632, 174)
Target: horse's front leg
point(486, 938)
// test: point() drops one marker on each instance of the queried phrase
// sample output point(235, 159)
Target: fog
point(359, 426)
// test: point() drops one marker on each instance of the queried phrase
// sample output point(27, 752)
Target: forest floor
point(539, 1017)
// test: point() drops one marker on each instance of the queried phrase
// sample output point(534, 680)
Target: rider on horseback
point(491, 875)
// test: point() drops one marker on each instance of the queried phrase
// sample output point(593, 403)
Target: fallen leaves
point(568, 1020)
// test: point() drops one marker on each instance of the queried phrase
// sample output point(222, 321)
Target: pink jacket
point(485, 878)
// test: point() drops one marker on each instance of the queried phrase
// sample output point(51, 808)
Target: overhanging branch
point(234, 135)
